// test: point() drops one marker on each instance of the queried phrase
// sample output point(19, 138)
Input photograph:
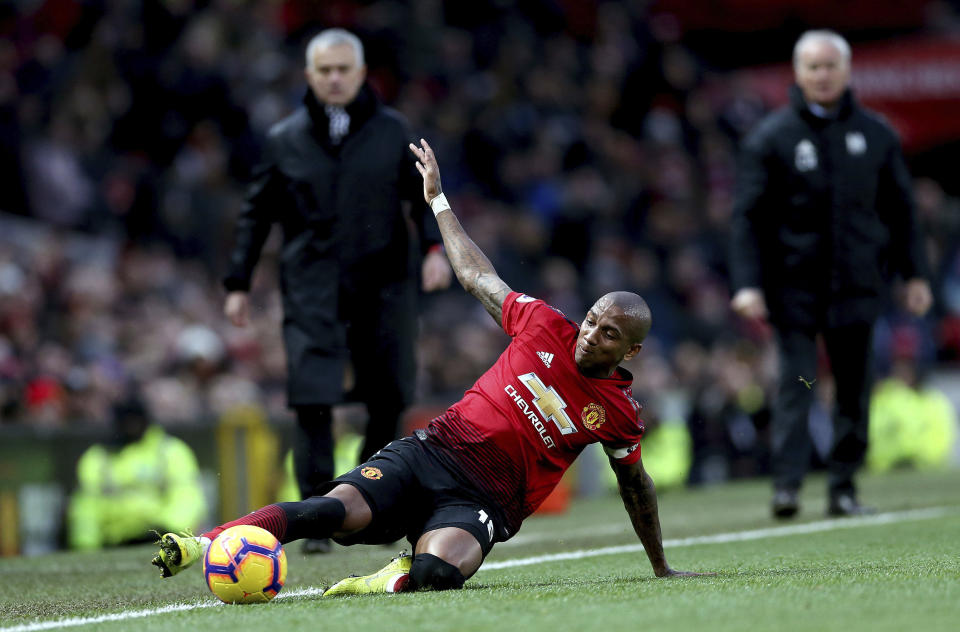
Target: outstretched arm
point(473, 269)
point(640, 499)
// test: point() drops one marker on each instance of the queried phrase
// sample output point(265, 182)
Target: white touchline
point(139, 614)
point(719, 538)
point(738, 536)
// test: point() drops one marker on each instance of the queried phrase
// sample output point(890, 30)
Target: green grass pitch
point(896, 571)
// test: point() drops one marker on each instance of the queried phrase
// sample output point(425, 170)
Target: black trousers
point(313, 440)
point(849, 349)
point(380, 332)
point(381, 335)
point(313, 448)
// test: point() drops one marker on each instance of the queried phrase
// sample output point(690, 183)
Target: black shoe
point(313, 546)
point(785, 504)
point(847, 505)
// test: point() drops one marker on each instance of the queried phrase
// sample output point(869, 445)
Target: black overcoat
point(823, 215)
point(345, 235)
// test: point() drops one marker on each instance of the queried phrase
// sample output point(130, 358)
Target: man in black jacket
point(336, 177)
point(823, 214)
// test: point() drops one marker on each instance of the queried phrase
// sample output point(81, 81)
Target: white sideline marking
point(139, 614)
point(526, 539)
point(737, 536)
point(719, 538)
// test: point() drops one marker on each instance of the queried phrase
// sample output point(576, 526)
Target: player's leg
point(451, 534)
point(445, 558)
point(341, 512)
point(850, 351)
point(380, 494)
point(790, 436)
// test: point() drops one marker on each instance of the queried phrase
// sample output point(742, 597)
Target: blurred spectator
point(911, 424)
point(142, 481)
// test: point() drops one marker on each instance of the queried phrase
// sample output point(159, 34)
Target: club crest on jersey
point(593, 415)
point(373, 473)
point(547, 358)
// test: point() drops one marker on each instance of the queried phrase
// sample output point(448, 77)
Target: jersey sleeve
point(625, 448)
point(521, 311)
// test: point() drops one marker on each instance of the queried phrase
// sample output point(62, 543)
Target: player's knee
point(429, 571)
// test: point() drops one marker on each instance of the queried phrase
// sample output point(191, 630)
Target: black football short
point(410, 493)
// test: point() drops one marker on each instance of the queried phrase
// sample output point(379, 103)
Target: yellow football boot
point(177, 552)
point(383, 581)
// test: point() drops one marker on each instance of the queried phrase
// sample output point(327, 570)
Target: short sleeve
point(521, 311)
point(625, 448)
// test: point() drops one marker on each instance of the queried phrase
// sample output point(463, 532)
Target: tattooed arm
point(473, 269)
point(640, 499)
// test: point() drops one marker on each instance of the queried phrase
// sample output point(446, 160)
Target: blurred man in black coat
point(336, 177)
point(823, 215)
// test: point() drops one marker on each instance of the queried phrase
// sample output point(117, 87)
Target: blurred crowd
point(584, 146)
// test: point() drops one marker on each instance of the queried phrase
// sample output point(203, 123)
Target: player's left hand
point(428, 168)
point(436, 272)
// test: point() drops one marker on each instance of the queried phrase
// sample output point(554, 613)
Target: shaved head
point(633, 305)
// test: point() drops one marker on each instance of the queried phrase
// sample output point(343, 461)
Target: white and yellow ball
point(245, 564)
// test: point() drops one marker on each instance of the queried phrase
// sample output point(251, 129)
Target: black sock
point(315, 517)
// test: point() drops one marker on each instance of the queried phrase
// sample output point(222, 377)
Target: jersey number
point(549, 403)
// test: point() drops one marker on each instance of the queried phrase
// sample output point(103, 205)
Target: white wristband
point(439, 204)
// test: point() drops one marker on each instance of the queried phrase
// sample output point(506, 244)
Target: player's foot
point(785, 503)
point(177, 552)
point(847, 505)
point(391, 578)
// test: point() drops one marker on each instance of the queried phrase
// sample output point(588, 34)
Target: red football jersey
point(526, 419)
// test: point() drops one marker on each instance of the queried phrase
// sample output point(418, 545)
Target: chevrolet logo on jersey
point(530, 414)
point(549, 404)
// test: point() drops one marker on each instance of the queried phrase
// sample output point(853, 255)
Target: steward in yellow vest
point(142, 480)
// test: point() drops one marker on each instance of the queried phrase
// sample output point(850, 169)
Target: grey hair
point(335, 37)
point(822, 35)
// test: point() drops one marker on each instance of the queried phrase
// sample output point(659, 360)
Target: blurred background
point(586, 145)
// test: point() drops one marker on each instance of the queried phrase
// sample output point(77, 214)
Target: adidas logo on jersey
point(546, 357)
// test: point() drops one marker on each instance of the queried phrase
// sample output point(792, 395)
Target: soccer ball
point(245, 564)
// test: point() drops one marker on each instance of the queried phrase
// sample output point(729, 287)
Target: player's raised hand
point(428, 168)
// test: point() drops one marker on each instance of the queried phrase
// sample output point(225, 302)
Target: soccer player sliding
point(470, 479)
